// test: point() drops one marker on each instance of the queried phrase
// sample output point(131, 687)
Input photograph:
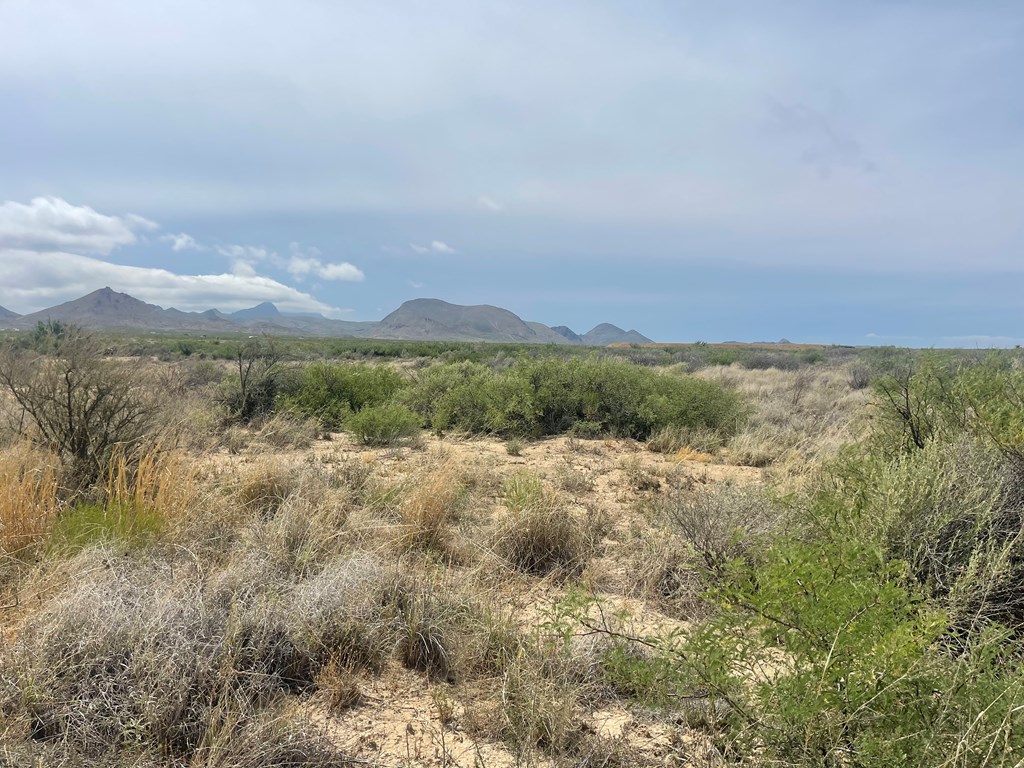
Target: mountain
point(606, 333)
point(107, 309)
point(264, 311)
point(568, 333)
point(419, 319)
point(7, 318)
point(436, 319)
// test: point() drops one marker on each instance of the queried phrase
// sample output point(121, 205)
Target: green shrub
point(953, 512)
point(847, 666)
point(330, 393)
point(549, 397)
point(383, 425)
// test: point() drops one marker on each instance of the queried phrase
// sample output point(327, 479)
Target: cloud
point(304, 262)
point(436, 246)
point(183, 242)
point(49, 250)
point(826, 147)
point(485, 203)
point(54, 223)
point(36, 279)
point(244, 258)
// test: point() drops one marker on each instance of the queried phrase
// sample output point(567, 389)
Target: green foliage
point(954, 512)
point(383, 425)
point(89, 523)
point(825, 657)
point(330, 393)
point(549, 397)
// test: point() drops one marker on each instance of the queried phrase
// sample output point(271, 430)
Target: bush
point(76, 404)
point(955, 514)
point(538, 536)
point(384, 425)
point(252, 393)
point(330, 393)
point(550, 397)
point(864, 681)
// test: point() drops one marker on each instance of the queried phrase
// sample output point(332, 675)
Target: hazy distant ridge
point(418, 319)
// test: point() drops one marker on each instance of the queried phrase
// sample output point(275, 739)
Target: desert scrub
point(549, 397)
point(76, 404)
point(131, 658)
point(384, 425)
point(537, 535)
point(332, 393)
point(820, 648)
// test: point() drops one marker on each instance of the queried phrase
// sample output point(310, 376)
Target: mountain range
point(415, 320)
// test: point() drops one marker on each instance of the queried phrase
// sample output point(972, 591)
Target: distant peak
point(263, 310)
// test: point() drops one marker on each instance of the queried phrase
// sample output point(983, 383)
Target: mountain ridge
point(424, 319)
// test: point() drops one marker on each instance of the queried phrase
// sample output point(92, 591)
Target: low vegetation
point(509, 557)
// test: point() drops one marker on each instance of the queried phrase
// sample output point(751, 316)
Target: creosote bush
point(76, 404)
point(332, 393)
point(549, 397)
point(383, 425)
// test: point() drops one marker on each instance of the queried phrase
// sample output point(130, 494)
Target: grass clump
point(431, 505)
point(29, 496)
point(538, 536)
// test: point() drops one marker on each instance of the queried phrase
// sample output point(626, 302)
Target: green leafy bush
point(383, 425)
point(550, 397)
point(330, 393)
point(825, 657)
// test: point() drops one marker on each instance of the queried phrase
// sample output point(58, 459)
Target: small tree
point(253, 394)
point(75, 403)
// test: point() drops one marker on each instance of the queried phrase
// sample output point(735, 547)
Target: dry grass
point(29, 496)
point(164, 481)
point(797, 417)
point(431, 505)
point(538, 535)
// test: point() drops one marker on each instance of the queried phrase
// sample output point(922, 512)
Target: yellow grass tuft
point(164, 482)
point(689, 454)
point(430, 506)
point(29, 483)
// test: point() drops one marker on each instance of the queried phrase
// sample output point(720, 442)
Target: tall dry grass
point(796, 417)
point(29, 495)
point(162, 481)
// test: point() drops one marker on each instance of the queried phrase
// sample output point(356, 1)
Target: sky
point(823, 171)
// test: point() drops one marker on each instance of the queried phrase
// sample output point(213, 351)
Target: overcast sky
point(848, 172)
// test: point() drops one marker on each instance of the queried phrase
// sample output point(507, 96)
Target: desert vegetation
point(340, 553)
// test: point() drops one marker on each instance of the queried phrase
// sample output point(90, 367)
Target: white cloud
point(436, 246)
point(305, 261)
point(485, 203)
point(32, 280)
point(49, 250)
point(54, 223)
point(341, 271)
point(250, 253)
point(183, 242)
